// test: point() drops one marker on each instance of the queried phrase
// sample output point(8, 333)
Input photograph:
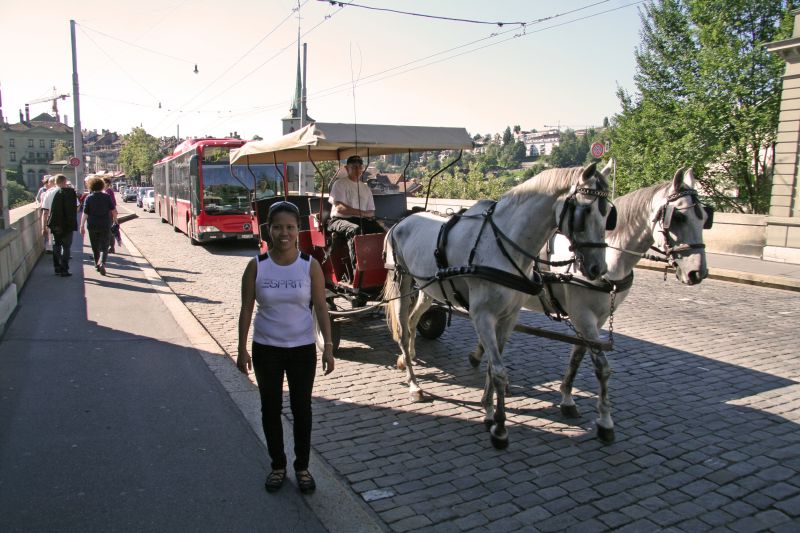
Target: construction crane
point(55, 98)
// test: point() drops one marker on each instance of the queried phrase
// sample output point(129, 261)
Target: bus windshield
point(225, 195)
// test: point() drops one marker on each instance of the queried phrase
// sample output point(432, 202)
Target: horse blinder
point(709, 217)
point(579, 213)
point(611, 220)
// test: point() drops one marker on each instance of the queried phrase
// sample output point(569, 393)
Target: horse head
point(678, 223)
point(583, 217)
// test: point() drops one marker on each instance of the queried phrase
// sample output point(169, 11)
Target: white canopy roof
point(334, 142)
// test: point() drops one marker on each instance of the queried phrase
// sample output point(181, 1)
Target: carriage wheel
point(336, 334)
point(432, 323)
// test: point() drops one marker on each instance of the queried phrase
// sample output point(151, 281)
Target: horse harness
point(665, 215)
point(518, 281)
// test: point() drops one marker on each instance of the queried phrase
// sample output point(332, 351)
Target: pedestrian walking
point(109, 190)
point(98, 212)
point(62, 224)
point(44, 196)
point(288, 286)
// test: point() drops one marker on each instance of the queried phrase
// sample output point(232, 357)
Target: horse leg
point(605, 426)
point(492, 337)
point(476, 356)
point(406, 338)
point(568, 407)
point(422, 304)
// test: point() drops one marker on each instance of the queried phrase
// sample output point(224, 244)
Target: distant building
point(28, 146)
point(538, 143)
point(101, 151)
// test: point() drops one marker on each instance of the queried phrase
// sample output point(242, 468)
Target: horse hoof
point(570, 411)
point(499, 443)
point(606, 435)
point(416, 396)
point(488, 424)
point(474, 361)
point(401, 364)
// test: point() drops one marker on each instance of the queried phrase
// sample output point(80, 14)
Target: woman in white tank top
point(288, 286)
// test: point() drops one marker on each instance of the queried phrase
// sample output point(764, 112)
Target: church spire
point(298, 86)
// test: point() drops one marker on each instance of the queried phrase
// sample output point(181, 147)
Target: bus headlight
point(207, 229)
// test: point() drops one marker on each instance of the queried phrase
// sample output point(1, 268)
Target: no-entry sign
point(75, 162)
point(598, 150)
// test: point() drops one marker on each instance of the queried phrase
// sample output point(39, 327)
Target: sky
point(136, 63)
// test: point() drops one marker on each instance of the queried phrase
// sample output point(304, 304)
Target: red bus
point(198, 195)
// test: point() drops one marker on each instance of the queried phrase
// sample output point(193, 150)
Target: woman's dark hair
point(96, 184)
point(283, 207)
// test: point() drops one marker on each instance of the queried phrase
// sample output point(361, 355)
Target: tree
point(517, 128)
point(60, 151)
point(707, 96)
point(18, 195)
point(507, 136)
point(137, 155)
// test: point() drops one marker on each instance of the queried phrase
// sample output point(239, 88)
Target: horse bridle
point(578, 214)
point(665, 214)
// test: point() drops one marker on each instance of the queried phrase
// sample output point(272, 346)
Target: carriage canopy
point(334, 142)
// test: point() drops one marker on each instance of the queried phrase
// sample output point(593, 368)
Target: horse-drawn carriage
point(353, 287)
point(486, 260)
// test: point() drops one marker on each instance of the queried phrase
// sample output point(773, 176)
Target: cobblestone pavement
point(704, 388)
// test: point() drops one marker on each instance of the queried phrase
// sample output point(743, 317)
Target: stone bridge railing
point(20, 247)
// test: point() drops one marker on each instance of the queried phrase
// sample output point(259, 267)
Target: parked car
point(149, 201)
point(129, 195)
point(140, 195)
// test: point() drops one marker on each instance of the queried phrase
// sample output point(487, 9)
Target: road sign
point(74, 162)
point(598, 150)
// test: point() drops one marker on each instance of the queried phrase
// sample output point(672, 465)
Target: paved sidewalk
point(750, 270)
point(111, 420)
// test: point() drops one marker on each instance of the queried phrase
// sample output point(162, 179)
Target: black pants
point(62, 242)
point(99, 239)
point(350, 227)
point(300, 366)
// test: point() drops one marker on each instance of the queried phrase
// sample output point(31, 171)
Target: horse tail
point(391, 292)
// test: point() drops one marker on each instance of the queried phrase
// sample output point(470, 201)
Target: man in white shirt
point(45, 202)
point(353, 211)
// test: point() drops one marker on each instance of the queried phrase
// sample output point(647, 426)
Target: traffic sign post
point(74, 162)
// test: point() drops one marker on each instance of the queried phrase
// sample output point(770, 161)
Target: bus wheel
point(432, 323)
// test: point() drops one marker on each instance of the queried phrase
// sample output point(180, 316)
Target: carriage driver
point(353, 207)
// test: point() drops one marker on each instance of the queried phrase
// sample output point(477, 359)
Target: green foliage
point(328, 170)
point(572, 150)
point(13, 174)
point(139, 153)
point(507, 136)
point(17, 194)
point(708, 96)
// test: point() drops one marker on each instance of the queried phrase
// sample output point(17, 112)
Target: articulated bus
point(197, 193)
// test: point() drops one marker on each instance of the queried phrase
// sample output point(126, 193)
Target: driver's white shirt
point(355, 194)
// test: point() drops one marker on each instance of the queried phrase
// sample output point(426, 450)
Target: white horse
point(495, 244)
point(667, 218)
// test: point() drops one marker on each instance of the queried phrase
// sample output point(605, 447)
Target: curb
point(336, 506)
point(736, 276)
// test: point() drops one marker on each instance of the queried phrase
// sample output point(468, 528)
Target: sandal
point(275, 480)
point(305, 482)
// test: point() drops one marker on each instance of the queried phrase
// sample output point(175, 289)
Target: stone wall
point(20, 247)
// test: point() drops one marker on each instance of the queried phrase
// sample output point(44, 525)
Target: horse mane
point(634, 211)
point(551, 181)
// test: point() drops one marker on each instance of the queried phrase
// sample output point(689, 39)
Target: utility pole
point(77, 137)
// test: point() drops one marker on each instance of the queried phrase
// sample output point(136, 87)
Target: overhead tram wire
point(169, 115)
point(150, 50)
point(346, 85)
point(110, 58)
point(396, 11)
point(253, 71)
point(516, 36)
